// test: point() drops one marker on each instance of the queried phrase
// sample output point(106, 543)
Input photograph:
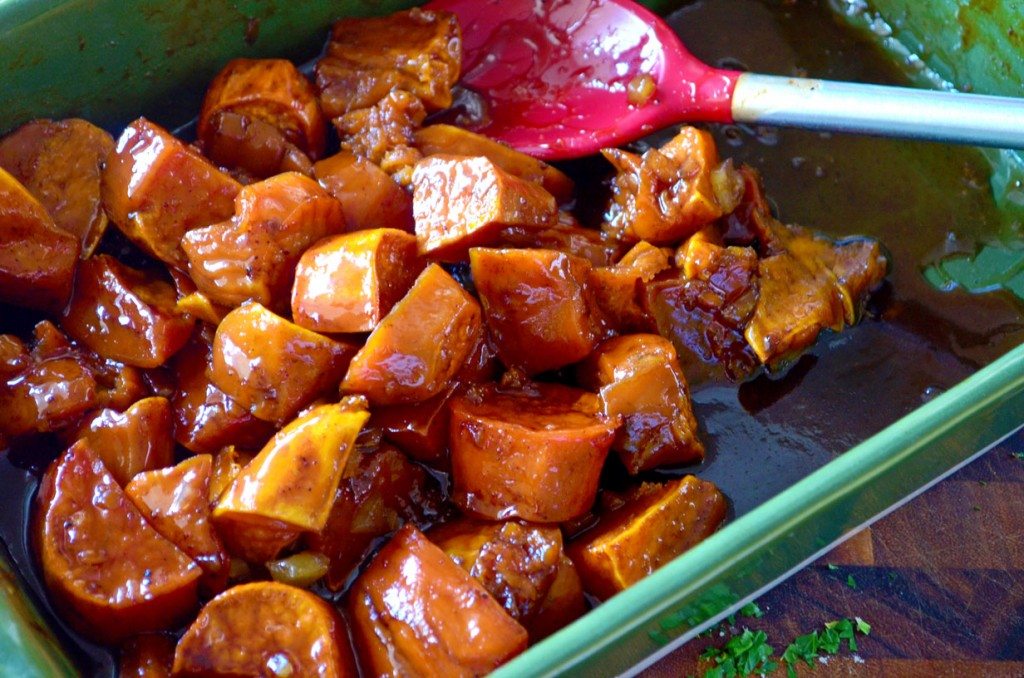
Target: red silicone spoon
point(556, 75)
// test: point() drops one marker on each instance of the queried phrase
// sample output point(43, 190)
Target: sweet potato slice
point(565, 236)
point(124, 314)
point(415, 612)
point(451, 140)
point(421, 428)
point(461, 202)
point(538, 306)
point(111, 573)
point(176, 501)
point(37, 259)
point(288, 488)
point(349, 282)
point(253, 255)
point(149, 655)
point(369, 197)
point(139, 439)
point(656, 524)
point(273, 366)
point(534, 453)
point(381, 491)
point(563, 604)
point(46, 396)
point(60, 163)
point(383, 133)
point(155, 188)
point(252, 146)
point(618, 291)
point(420, 345)
point(227, 465)
point(265, 629)
point(638, 378)
point(271, 90)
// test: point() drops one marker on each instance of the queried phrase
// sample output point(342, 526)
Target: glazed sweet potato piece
point(176, 502)
point(418, 51)
point(451, 140)
point(369, 197)
point(112, 575)
point(383, 133)
point(563, 604)
point(206, 418)
point(252, 146)
point(348, 283)
point(273, 366)
point(666, 194)
point(37, 259)
point(538, 306)
point(638, 379)
point(271, 90)
point(139, 439)
point(420, 428)
point(265, 629)
point(288, 488)
point(463, 202)
point(420, 345)
point(381, 491)
point(618, 288)
point(457, 629)
point(565, 236)
point(155, 188)
point(149, 655)
point(124, 314)
point(46, 395)
point(534, 453)
point(60, 163)
point(656, 524)
point(253, 255)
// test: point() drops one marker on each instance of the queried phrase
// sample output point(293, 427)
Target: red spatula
point(556, 77)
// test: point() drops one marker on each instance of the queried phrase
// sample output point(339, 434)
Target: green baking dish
point(110, 61)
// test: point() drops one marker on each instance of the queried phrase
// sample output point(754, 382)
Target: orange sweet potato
point(265, 629)
point(369, 197)
point(563, 604)
point(140, 439)
point(289, 487)
point(176, 502)
point(271, 90)
point(252, 146)
point(617, 288)
point(415, 612)
point(461, 202)
point(111, 574)
point(124, 314)
point(420, 345)
point(420, 429)
point(272, 366)
point(565, 236)
point(538, 306)
point(638, 378)
point(155, 188)
point(149, 655)
point(47, 395)
point(349, 282)
point(60, 163)
point(535, 453)
point(227, 464)
point(37, 259)
point(253, 255)
point(656, 524)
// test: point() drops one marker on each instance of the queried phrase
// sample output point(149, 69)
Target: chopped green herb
point(892, 576)
point(863, 627)
point(851, 582)
point(833, 567)
point(1018, 455)
point(751, 610)
point(743, 655)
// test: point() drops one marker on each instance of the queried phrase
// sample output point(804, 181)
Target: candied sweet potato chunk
point(348, 283)
point(176, 502)
point(655, 525)
point(415, 612)
point(149, 655)
point(48, 395)
point(37, 259)
point(273, 366)
point(463, 202)
point(271, 90)
point(618, 289)
point(534, 453)
point(538, 306)
point(420, 428)
point(265, 629)
point(124, 314)
point(638, 378)
point(418, 51)
point(383, 133)
point(139, 439)
point(289, 487)
point(420, 345)
point(155, 188)
point(60, 163)
point(565, 236)
point(253, 147)
point(369, 197)
point(563, 604)
point(227, 464)
point(381, 491)
point(451, 140)
point(112, 574)
point(253, 255)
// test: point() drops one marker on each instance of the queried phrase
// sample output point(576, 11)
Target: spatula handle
point(883, 111)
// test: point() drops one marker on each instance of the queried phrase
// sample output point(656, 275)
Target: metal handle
point(884, 111)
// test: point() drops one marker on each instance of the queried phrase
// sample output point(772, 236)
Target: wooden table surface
point(940, 580)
